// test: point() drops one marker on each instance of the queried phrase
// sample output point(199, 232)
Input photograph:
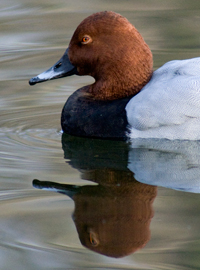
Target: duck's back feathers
point(169, 105)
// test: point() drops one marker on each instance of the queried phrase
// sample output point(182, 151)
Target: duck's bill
point(62, 68)
point(69, 190)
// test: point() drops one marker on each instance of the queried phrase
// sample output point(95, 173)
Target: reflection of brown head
point(114, 219)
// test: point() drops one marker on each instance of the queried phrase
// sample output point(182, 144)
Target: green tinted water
point(157, 227)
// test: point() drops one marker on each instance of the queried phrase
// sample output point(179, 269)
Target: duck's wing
point(169, 105)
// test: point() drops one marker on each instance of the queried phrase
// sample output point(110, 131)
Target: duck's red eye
point(86, 39)
point(93, 239)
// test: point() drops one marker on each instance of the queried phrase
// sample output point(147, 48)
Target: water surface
point(143, 197)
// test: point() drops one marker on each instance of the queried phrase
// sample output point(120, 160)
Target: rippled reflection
point(171, 164)
point(113, 217)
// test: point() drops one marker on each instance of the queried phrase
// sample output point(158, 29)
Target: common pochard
point(127, 98)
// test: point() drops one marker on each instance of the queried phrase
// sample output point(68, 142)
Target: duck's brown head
point(108, 47)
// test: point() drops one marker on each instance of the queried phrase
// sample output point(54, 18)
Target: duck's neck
point(117, 87)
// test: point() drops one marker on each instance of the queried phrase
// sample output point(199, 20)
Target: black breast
point(83, 116)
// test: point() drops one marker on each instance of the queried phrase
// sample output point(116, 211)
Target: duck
point(128, 99)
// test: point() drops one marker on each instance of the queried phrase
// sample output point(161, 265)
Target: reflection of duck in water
point(113, 217)
point(171, 164)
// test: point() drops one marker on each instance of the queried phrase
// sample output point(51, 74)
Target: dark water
point(105, 209)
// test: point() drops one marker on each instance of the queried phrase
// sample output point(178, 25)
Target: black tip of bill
point(33, 81)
